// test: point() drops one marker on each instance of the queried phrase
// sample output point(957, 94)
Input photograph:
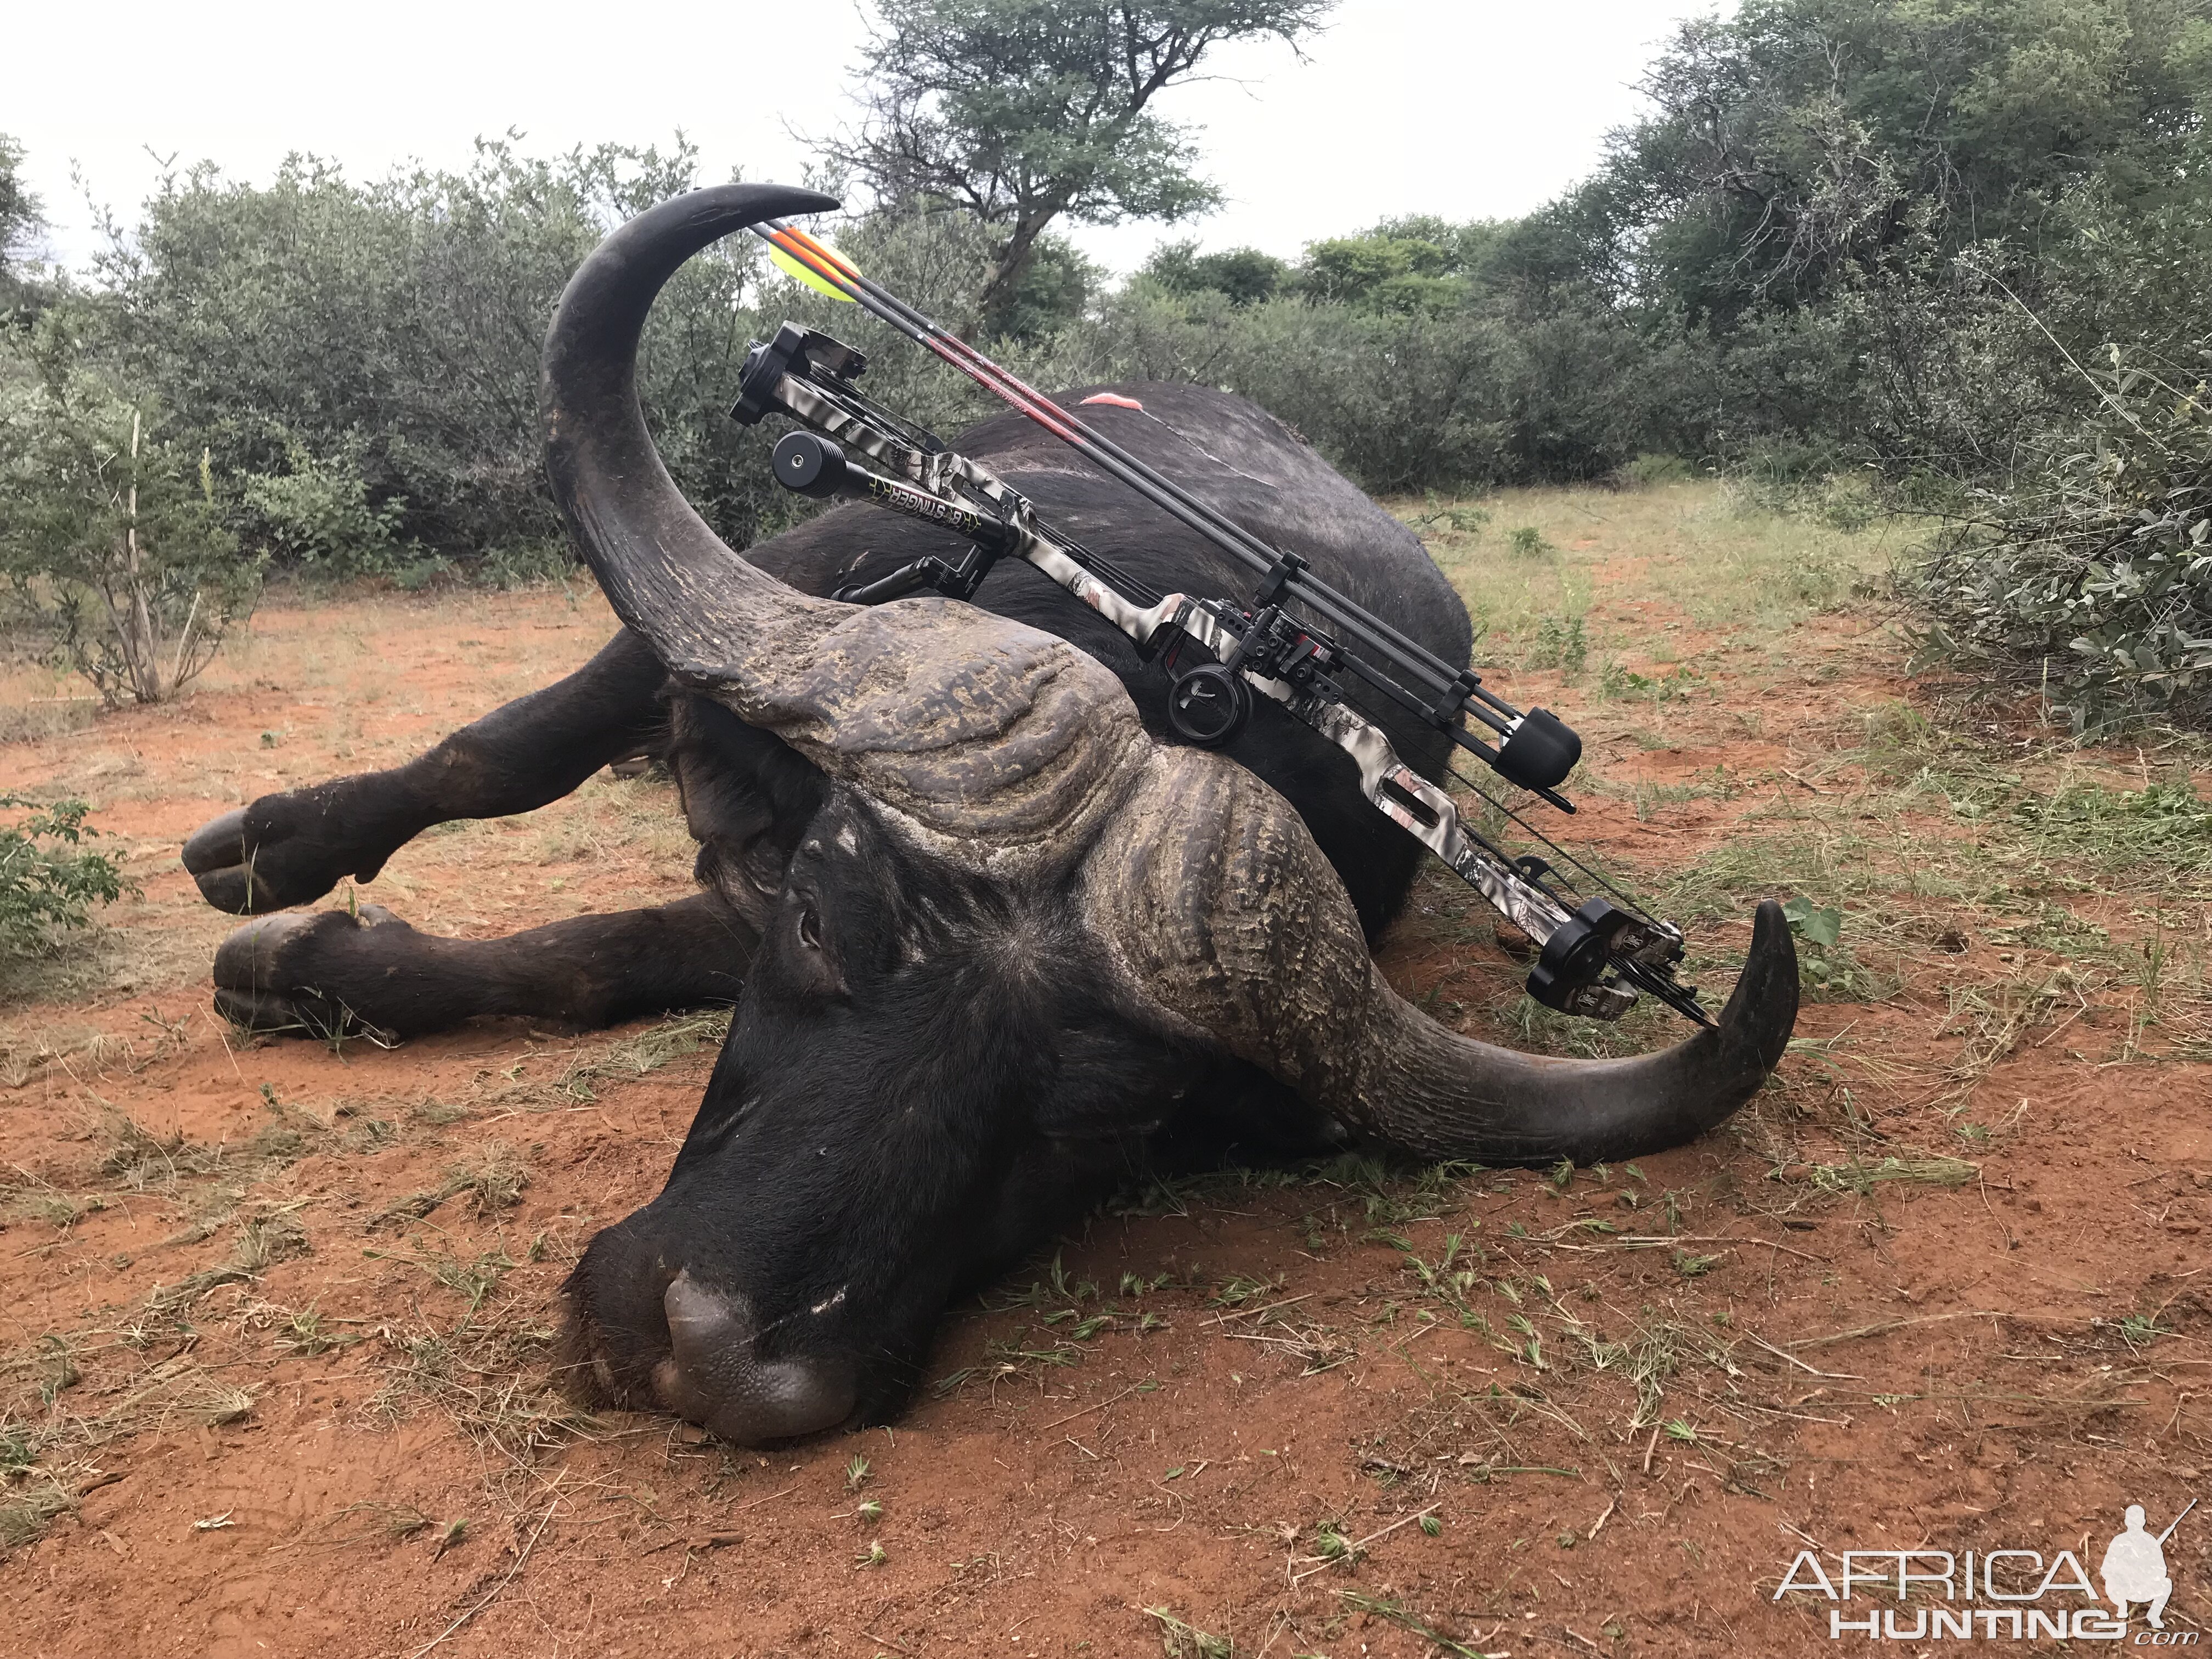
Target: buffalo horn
point(999, 747)
point(1234, 927)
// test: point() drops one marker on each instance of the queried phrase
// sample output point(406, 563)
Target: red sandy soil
point(1921, 1365)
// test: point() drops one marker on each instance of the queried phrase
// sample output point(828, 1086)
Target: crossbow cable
point(1597, 954)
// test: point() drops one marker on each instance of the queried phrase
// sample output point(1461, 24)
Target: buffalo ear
point(806, 942)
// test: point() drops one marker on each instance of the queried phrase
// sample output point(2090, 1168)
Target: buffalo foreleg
point(293, 848)
point(336, 973)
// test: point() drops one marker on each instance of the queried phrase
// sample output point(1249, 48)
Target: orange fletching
point(835, 260)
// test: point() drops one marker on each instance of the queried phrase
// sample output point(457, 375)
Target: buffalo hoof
point(220, 857)
point(266, 980)
point(270, 856)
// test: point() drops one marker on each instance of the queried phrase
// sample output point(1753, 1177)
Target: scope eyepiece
point(809, 464)
point(1538, 751)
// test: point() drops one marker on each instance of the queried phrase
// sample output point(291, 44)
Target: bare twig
point(1889, 1325)
point(1352, 1549)
point(1834, 1376)
point(713, 1541)
point(1598, 1525)
point(1252, 1313)
point(1100, 1406)
point(1660, 1241)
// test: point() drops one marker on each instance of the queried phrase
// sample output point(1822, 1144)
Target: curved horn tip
point(1762, 1011)
point(657, 560)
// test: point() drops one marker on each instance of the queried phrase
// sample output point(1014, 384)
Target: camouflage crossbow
point(1595, 954)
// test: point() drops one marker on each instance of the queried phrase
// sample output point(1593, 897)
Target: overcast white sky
point(1467, 109)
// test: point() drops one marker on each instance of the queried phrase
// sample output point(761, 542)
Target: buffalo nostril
point(713, 1377)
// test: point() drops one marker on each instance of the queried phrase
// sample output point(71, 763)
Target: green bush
point(1649, 470)
point(316, 516)
point(1243, 275)
point(1560, 643)
point(1401, 399)
point(2093, 581)
point(112, 542)
point(361, 360)
point(1846, 254)
point(47, 886)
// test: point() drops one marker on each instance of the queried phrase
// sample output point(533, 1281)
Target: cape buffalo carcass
point(994, 940)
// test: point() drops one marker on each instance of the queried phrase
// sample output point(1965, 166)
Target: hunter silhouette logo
point(2010, 1594)
point(2134, 1568)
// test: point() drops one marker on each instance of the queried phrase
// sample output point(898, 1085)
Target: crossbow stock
point(1594, 954)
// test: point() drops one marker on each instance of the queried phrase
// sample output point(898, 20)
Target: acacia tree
point(1799, 144)
point(1023, 112)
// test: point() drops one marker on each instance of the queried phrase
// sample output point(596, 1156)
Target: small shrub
point(1617, 684)
point(1816, 581)
point(1648, 470)
point(527, 564)
point(1846, 501)
point(1825, 965)
point(110, 541)
point(316, 516)
point(46, 885)
point(2094, 585)
point(1455, 516)
point(1560, 644)
point(1529, 541)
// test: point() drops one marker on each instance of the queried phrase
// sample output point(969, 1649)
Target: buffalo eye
point(810, 928)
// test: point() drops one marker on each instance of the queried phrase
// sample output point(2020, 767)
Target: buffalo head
point(1005, 940)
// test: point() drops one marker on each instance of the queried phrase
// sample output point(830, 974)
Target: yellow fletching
point(798, 272)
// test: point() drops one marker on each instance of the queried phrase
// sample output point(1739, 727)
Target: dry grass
point(1713, 563)
point(492, 1179)
point(50, 1453)
point(676, 1037)
point(263, 1241)
point(1583, 1325)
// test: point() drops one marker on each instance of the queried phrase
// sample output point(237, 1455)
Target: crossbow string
point(1595, 955)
